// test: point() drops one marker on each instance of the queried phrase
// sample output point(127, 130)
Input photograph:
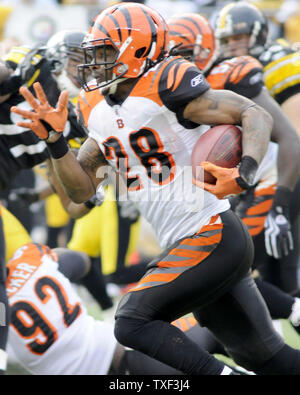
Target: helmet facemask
point(112, 71)
point(63, 52)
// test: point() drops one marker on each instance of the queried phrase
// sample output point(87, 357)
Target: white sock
point(278, 327)
point(226, 371)
point(295, 315)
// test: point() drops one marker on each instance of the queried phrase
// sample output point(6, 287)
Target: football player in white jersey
point(48, 318)
point(144, 112)
point(35, 270)
point(51, 332)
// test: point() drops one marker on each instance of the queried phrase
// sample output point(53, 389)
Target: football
point(221, 145)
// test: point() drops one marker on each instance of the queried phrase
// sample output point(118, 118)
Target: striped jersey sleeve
point(242, 75)
point(281, 71)
point(180, 83)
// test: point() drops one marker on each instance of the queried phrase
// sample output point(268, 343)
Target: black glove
point(27, 195)
point(278, 236)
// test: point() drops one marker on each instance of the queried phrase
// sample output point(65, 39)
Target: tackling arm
point(291, 109)
point(288, 141)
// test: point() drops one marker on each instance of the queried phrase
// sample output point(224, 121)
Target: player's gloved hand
point(232, 181)
point(44, 118)
point(28, 195)
point(278, 236)
point(128, 210)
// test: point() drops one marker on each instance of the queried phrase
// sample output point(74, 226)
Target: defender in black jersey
point(20, 148)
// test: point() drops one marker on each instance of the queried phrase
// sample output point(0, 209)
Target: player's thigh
point(128, 239)
point(86, 233)
point(56, 216)
point(109, 234)
point(15, 235)
point(241, 322)
point(175, 287)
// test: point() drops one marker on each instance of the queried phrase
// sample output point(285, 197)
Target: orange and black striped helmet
point(138, 34)
point(193, 37)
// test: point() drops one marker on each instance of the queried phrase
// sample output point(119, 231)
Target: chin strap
point(111, 88)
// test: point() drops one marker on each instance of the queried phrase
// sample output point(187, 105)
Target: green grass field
point(291, 336)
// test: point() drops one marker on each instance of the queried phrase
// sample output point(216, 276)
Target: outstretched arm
point(79, 178)
point(291, 109)
point(278, 236)
point(287, 138)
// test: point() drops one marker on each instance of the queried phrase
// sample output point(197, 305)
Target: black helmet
point(243, 18)
point(64, 45)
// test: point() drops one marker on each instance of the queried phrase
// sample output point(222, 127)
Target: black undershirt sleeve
point(249, 86)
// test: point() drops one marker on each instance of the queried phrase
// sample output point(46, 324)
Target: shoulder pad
point(150, 82)
point(232, 71)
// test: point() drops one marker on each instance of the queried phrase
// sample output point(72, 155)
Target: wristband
point(58, 149)
point(282, 196)
point(247, 170)
point(89, 204)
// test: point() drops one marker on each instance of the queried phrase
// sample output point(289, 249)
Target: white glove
point(278, 236)
point(128, 210)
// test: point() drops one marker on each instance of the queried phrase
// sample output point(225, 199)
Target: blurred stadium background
point(33, 22)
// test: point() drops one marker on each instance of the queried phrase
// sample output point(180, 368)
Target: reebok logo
point(197, 80)
point(256, 78)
